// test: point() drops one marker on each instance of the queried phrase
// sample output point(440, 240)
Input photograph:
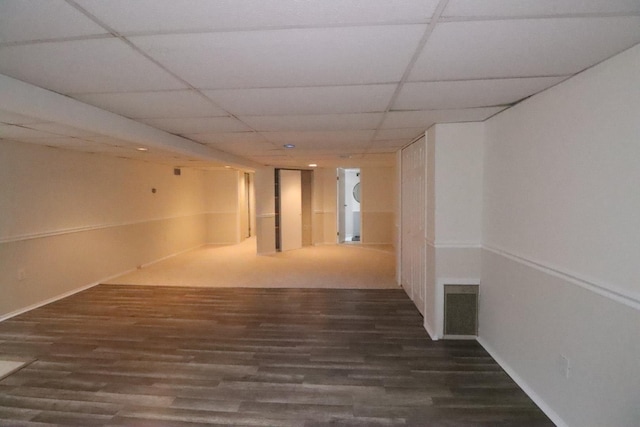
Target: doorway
point(293, 209)
point(349, 219)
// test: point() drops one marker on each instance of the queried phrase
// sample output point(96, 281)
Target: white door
point(342, 204)
point(405, 223)
point(413, 222)
point(290, 210)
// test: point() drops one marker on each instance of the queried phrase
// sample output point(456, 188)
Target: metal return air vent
point(460, 311)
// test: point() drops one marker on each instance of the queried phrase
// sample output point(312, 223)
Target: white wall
point(453, 213)
point(265, 194)
point(458, 180)
point(560, 264)
point(47, 190)
point(224, 190)
point(69, 220)
point(325, 203)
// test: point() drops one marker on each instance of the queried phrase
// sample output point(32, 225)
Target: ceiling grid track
point(349, 82)
point(421, 44)
point(192, 88)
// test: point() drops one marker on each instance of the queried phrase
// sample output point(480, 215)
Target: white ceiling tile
point(329, 160)
point(263, 158)
point(318, 74)
point(387, 146)
point(148, 105)
point(304, 100)
point(322, 138)
point(334, 148)
point(104, 145)
point(56, 141)
point(206, 15)
point(511, 8)
point(405, 134)
point(128, 149)
point(101, 147)
point(198, 125)
point(111, 141)
point(528, 47)
point(19, 132)
point(8, 117)
point(155, 154)
point(277, 161)
point(104, 65)
point(469, 93)
point(58, 129)
point(226, 137)
point(282, 58)
point(381, 149)
point(304, 149)
point(27, 20)
point(89, 147)
point(246, 147)
point(425, 119)
point(314, 122)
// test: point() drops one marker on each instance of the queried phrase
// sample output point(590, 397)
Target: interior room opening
point(349, 206)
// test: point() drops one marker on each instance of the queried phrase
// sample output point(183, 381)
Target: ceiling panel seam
point(421, 44)
point(148, 57)
point(447, 19)
point(57, 40)
point(268, 28)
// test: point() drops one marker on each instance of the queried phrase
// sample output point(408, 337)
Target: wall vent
point(460, 311)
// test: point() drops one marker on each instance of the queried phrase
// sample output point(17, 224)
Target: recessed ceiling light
point(289, 146)
point(313, 165)
point(142, 149)
point(227, 167)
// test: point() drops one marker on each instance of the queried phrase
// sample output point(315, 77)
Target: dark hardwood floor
point(160, 356)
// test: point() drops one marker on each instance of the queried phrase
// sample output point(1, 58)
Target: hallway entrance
point(349, 218)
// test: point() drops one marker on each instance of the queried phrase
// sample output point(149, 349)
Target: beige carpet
point(330, 266)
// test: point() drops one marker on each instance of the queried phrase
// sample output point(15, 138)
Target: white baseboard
point(160, 259)
point(89, 286)
point(429, 329)
point(58, 297)
point(549, 412)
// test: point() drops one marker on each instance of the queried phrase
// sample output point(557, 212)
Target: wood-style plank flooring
point(161, 356)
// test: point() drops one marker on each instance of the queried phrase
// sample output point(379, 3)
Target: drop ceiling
point(349, 82)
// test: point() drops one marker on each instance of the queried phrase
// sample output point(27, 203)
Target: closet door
point(413, 223)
